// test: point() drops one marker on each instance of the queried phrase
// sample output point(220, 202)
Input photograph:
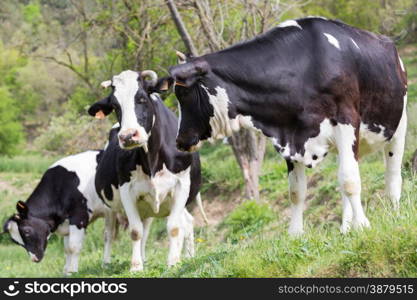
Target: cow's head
point(195, 88)
point(28, 231)
point(132, 100)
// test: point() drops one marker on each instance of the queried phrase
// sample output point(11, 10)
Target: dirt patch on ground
point(7, 186)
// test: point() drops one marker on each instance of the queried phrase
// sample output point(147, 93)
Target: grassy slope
point(257, 249)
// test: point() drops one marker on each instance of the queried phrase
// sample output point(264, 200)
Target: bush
point(247, 219)
point(71, 133)
point(11, 133)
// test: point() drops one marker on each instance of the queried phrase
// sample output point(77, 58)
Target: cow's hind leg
point(298, 189)
point(394, 151)
point(146, 228)
point(345, 136)
point(109, 233)
point(175, 224)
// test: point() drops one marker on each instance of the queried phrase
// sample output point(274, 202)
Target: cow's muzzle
point(34, 257)
point(129, 138)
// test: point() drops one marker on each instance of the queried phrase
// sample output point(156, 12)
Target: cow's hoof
point(345, 228)
point(136, 268)
point(295, 232)
point(396, 205)
point(173, 262)
point(105, 264)
point(69, 273)
point(361, 224)
point(189, 254)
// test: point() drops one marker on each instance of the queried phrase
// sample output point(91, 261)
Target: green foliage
point(81, 99)
point(247, 219)
point(220, 170)
point(70, 133)
point(32, 13)
point(390, 17)
point(11, 133)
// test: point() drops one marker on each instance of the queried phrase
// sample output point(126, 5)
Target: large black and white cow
point(151, 178)
point(307, 84)
point(65, 202)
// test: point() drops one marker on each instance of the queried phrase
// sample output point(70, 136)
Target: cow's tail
point(201, 208)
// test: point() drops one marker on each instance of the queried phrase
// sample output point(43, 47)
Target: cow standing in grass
point(65, 202)
point(151, 178)
point(309, 85)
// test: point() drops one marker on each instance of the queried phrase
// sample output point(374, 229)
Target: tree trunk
point(188, 42)
point(249, 149)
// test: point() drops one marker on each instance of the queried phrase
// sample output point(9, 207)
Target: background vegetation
point(54, 54)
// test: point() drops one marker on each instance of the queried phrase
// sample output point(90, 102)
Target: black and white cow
point(151, 177)
point(307, 84)
point(65, 202)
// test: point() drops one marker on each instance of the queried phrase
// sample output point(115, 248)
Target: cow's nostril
point(136, 135)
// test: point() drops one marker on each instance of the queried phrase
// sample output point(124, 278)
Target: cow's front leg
point(73, 244)
point(298, 189)
point(175, 224)
point(109, 233)
point(135, 226)
point(346, 214)
point(67, 255)
point(345, 136)
point(146, 228)
point(189, 234)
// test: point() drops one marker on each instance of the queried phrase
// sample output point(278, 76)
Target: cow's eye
point(142, 100)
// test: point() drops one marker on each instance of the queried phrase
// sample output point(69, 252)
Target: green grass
point(251, 240)
point(32, 163)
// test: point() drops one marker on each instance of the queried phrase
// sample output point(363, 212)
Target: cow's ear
point(163, 84)
point(6, 225)
point(22, 209)
point(101, 108)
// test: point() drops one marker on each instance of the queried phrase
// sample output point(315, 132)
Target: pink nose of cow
point(129, 137)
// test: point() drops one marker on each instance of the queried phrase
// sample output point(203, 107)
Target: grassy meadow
point(247, 239)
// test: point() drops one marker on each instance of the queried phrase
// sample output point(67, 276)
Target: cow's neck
point(150, 158)
point(220, 123)
point(42, 206)
point(248, 90)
